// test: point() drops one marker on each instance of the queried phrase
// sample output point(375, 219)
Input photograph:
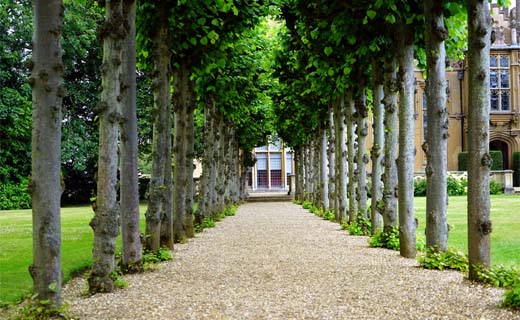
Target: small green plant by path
point(360, 227)
point(441, 260)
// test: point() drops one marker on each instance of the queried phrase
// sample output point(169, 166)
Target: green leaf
point(328, 51)
point(204, 41)
point(351, 40)
point(201, 21)
point(390, 18)
point(371, 14)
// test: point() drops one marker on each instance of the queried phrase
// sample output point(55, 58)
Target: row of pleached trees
point(206, 56)
point(344, 61)
point(199, 56)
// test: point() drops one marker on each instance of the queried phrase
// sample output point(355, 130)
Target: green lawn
point(505, 216)
point(16, 244)
point(16, 248)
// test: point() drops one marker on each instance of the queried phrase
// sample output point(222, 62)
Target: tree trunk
point(306, 172)
point(220, 187)
point(167, 238)
point(316, 169)
point(131, 235)
point(190, 185)
point(341, 159)
point(324, 175)
point(105, 223)
point(377, 144)
point(479, 160)
point(362, 157)
point(183, 104)
point(390, 152)
point(298, 161)
point(351, 138)
point(333, 199)
point(161, 134)
point(45, 185)
point(208, 174)
point(407, 222)
point(436, 144)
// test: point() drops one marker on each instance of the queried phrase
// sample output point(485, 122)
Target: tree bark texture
point(436, 144)
point(390, 148)
point(298, 160)
point(208, 179)
point(190, 185)
point(106, 218)
point(341, 159)
point(377, 146)
point(333, 199)
point(324, 175)
point(479, 160)
point(183, 108)
point(407, 222)
point(161, 116)
point(351, 138)
point(362, 156)
point(45, 185)
point(131, 235)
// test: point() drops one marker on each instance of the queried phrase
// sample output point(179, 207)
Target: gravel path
point(277, 261)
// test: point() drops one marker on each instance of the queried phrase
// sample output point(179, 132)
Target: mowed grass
point(16, 248)
point(505, 217)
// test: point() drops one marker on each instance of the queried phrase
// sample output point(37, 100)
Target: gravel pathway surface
point(278, 261)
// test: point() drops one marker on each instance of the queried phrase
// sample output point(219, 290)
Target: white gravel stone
point(277, 261)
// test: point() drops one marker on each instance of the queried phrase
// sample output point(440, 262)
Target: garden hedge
point(497, 162)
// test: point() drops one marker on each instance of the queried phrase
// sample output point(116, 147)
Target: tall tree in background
point(479, 160)
point(132, 247)
point(106, 217)
point(45, 185)
point(436, 144)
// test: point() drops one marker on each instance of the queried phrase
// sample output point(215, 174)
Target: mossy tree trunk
point(45, 185)
point(190, 184)
point(324, 175)
point(183, 109)
point(105, 223)
point(131, 240)
point(341, 159)
point(436, 144)
point(161, 116)
point(333, 199)
point(390, 146)
point(351, 157)
point(377, 145)
point(479, 160)
point(406, 161)
point(362, 157)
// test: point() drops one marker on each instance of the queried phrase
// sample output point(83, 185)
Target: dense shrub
point(389, 240)
point(440, 260)
point(14, 196)
point(457, 185)
point(512, 298)
point(463, 161)
point(500, 276)
point(497, 162)
point(419, 185)
point(516, 169)
point(495, 187)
